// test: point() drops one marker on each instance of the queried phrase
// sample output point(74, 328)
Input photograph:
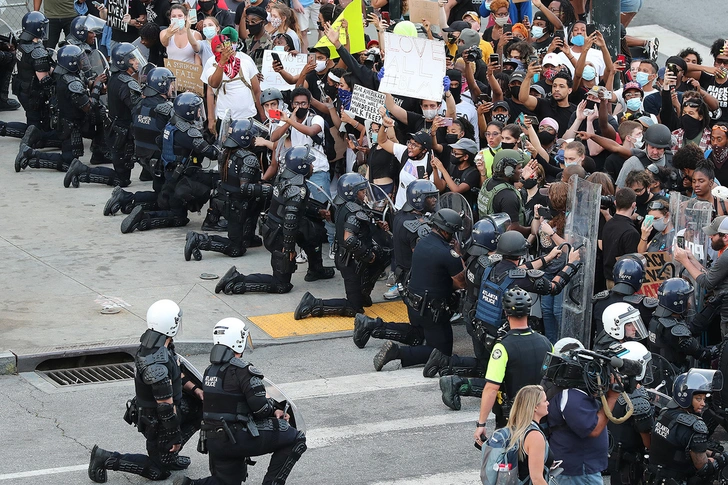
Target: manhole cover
point(80, 376)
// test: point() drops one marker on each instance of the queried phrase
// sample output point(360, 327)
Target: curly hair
point(717, 48)
point(499, 4)
point(689, 50)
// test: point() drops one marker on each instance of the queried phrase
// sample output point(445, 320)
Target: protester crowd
point(534, 107)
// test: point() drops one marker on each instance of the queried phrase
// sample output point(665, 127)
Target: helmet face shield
point(136, 60)
point(704, 380)
point(172, 89)
point(44, 33)
point(94, 24)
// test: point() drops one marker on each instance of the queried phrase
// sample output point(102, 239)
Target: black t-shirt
point(515, 109)
point(619, 237)
point(548, 108)
point(506, 200)
point(718, 91)
point(642, 209)
point(542, 200)
point(158, 12)
point(613, 164)
point(136, 8)
point(542, 46)
point(241, 7)
point(457, 12)
point(382, 164)
point(546, 86)
point(470, 176)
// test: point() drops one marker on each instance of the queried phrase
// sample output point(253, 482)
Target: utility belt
point(659, 475)
point(143, 418)
point(487, 334)
point(226, 428)
point(422, 303)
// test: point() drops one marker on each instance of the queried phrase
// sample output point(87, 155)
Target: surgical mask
point(537, 32)
point(501, 21)
point(487, 5)
point(634, 104)
point(578, 40)
point(279, 48)
point(502, 117)
point(276, 22)
point(429, 114)
point(268, 17)
point(560, 155)
point(180, 23)
point(451, 138)
point(209, 32)
point(301, 113)
point(374, 137)
point(659, 224)
point(642, 78)
point(589, 73)
point(508, 146)
point(320, 65)
point(638, 142)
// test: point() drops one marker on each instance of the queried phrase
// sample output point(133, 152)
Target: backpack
point(500, 464)
point(325, 140)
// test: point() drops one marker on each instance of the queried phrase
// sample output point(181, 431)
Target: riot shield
point(663, 374)
point(7, 34)
point(658, 399)
point(689, 217)
point(97, 63)
point(582, 225)
point(458, 203)
point(225, 123)
point(272, 391)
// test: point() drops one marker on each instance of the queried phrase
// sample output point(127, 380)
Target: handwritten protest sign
point(187, 74)
point(366, 102)
point(292, 64)
point(117, 9)
point(424, 9)
point(655, 262)
point(413, 67)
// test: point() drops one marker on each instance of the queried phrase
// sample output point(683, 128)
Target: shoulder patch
point(194, 133)
point(602, 295)
point(497, 354)
point(681, 330)
point(667, 322)
point(155, 373)
point(77, 87)
point(362, 216)
point(534, 273)
point(250, 160)
point(517, 273)
point(633, 299)
point(454, 254)
point(164, 108)
point(484, 261)
point(412, 225)
point(650, 302)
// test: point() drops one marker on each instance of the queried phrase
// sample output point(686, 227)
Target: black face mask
point(451, 138)
point(529, 183)
point(301, 113)
point(451, 38)
point(456, 94)
point(508, 146)
point(642, 199)
point(515, 91)
point(331, 91)
point(691, 126)
point(255, 29)
point(207, 6)
point(546, 138)
point(455, 160)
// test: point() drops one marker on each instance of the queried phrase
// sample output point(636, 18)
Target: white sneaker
point(392, 293)
point(456, 317)
point(391, 279)
point(302, 258)
point(332, 253)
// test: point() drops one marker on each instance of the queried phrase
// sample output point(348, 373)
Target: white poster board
point(413, 67)
point(292, 64)
point(365, 103)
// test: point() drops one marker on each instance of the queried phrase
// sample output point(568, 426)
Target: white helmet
point(637, 352)
point(566, 344)
point(618, 315)
point(164, 316)
point(231, 332)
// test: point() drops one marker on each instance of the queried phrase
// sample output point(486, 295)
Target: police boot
point(388, 353)
point(24, 153)
point(322, 273)
point(193, 244)
point(179, 462)
point(119, 199)
point(5, 103)
point(454, 386)
point(317, 307)
point(76, 169)
point(232, 283)
point(97, 464)
point(363, 326)
point(12, 129)
point(32, 136)
point(147, 222)
point(214, 222)
point(124, 463)
point(436, 363)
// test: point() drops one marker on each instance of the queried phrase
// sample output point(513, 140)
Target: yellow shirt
point(485, 47)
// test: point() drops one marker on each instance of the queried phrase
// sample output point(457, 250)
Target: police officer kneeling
point(679, 450)
point(239, 420)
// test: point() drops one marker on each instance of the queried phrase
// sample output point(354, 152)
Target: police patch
point(454, 254)
point(496, 354)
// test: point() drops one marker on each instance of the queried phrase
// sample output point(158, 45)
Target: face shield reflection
point(94, 24)
point(136, 60)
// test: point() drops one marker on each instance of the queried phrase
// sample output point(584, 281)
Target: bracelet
point(357, 125)
point(479, 425)
point(643, 239)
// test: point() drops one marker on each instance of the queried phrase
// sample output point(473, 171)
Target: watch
point(479, 425)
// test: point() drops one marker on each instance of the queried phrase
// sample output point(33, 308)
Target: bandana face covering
point(232, 67)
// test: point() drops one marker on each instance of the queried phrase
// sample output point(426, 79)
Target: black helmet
point(78, 32)
point(418, 191)
point(299, 160)
point(349, 186)
point(512, 245)
point(35, 24)
point(448, 220)
point(628, 275)
point(486, 233)
point(517, 302)
point(160, 80)
point(122, 56)
point(505, 163)
point(189, 107)
point(241, 134)
point(269, 95)
point(695, 381)
point(673, 296)
point(69, 58)
point(658, 136)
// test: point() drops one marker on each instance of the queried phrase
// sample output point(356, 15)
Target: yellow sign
point(353, 15)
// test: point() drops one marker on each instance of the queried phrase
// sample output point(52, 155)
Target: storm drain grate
point(88, 375)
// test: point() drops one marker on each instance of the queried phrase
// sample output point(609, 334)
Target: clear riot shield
point(97, 63)
point(582, 224)
point(7, 34)
point(225, 123)
point(689, 217)
point(458, 203)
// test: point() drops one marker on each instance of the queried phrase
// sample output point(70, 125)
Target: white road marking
point(45, 471)
point(471, 477)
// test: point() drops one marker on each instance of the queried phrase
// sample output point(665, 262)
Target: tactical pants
point(227, 459)
point(71, 147)
point(437, 333)
point(123, 161)
point(37, 116)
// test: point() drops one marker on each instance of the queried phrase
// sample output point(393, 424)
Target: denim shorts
point(630, 6)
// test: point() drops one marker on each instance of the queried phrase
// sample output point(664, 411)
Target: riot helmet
point(232, 333)
point(506, 162)
point(189, 107)
point(617, 316)
point(165, 317)
point(69, 58)
point(299, 160)
point(161, 80)
point(35, 25)
point(486, 232)
point(637, 352)
point(421, 196)
point(628, 274)
point(125, 56)
point(241, 134)
point(271, 94)
point(349, 186)
point(517, 302)
point(695, 381)
point(448, 220)
point(567, 344)
point(78, 31)
point(673, 296)
point(512, 245)
point(659, 136)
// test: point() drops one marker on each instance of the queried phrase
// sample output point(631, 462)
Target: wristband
point(479, 425)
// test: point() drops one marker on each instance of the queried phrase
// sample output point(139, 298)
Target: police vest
point(144, 125)
point(34, 58)
point(489, 308)
point(526, 351)
point(154, 356)
point(220, 404)
point(172, 153)
point(671, 437)
point(486, 198)
point(287, 189)
point(67, 108)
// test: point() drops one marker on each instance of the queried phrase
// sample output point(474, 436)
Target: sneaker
point(302, 258)
point(652, 48)
point(332, 253)
point(392, 293)
point(391, 279)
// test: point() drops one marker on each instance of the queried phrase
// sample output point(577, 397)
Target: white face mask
point(501, 21)
point(429, 113)
point(268, 17)
point(638, 142)
point(320, 66)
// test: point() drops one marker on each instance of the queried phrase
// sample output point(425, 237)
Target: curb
point(8, 363)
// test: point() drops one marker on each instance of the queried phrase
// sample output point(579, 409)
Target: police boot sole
point(131, 221)
point(361, 331)
point(305, 306)
point(386, 354)
point(190, 246)
point(450, 396)
point(72, 173)
point(21, 161)
point(96, 470)
point(220, 286)
point(182, 463)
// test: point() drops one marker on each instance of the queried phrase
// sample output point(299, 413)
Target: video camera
point(607, 203)
point(592, 371)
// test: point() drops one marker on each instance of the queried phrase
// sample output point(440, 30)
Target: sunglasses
point(692, 103)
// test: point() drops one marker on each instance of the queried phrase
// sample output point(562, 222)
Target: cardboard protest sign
point(655, 262)
point(187, 74)
point(413, 67)
point(292, 64)
point(365, 103)
point(117, 9)
point(424, 9)
point(353, 15)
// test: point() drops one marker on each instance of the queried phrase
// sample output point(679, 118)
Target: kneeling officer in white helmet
point(238, 419)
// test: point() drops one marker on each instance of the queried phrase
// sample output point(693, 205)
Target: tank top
point(185, 54)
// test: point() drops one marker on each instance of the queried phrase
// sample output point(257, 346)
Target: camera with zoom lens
point(472, 54)
point(607, 203)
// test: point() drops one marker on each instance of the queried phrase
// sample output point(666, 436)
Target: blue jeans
point(519, 10)
point(551, 312)
point(323, 180)
point(591, 479)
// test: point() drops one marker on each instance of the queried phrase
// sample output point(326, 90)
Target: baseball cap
point(679, 61)
point(551, 123)
point(501, 104)
point(540, 91)
point(457, 26)
point(646, 121)
point(423, 138)
point(370, 44)
point(515, 63)
point(466, 144)
point(719, 225)
point(551, 59)
point(517, 76)
point(632, 85)
point(471, 14)
point(469, 37)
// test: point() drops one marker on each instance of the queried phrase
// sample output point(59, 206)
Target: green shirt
point(59, 9)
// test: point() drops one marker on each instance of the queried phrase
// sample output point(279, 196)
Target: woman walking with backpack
point(529, 407)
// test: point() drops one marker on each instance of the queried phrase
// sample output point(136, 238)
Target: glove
point(446, 83)
point(714, 351)
point(380, 74)
point(721, 460)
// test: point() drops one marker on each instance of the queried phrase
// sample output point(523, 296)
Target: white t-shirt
point(408, 174)
point(233, 95)
point(297, 138)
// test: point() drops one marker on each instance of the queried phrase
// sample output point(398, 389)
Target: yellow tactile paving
point(283, 325)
